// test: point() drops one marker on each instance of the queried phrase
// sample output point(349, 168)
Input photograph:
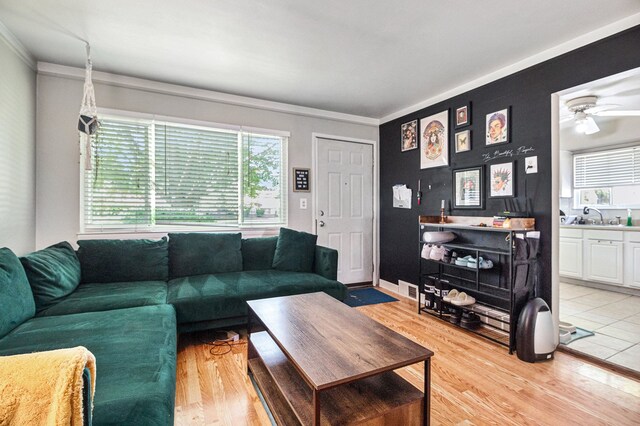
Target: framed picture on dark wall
point(468, 188)
point(463, 115)
point(502, 180)
point(409, 135)
point(434, 140)
point(463, 141)
point(497, 127)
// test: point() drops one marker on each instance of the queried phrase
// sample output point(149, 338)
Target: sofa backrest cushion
point(16, 299)
point(53, 273)
point(257, 253)
point(295, 251)
point(200, 253)
point(110, 261)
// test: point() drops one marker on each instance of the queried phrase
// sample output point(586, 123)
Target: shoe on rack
point(472, 263)
point(426, 251)
point(485, 264)
point(453, 293)
point(463, 299)
point(446, 258)
point(437, 253)
point(463, 261)
point(454, 257)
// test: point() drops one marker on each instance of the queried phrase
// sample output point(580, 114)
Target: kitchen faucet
point(587, 209)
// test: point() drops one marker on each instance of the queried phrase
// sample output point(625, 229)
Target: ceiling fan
point(584, 108)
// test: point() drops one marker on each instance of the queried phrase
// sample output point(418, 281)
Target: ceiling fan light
point(590, 126)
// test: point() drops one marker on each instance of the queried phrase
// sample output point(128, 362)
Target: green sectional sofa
point(126, 300)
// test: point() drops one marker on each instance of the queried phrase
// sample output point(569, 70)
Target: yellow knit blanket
point(44, 388)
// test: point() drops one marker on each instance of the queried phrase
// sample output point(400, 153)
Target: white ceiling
point(620, 92)
point(359, 57)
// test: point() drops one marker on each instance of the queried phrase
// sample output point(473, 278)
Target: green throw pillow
point(295, 251)
point(53, 273)
point(16, 299)
point(257, 253)
point(200, 254)
point(113, 261)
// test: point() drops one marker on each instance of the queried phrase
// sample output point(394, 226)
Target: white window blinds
point(607, 168)
point(150, 174)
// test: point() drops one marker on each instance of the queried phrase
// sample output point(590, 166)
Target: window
point(158, 175)
point(607, 178)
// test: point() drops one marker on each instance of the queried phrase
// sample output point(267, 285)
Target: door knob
point(321, 224)
point(321, 212)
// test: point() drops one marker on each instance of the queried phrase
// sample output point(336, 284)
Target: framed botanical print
point(462, 141)
point(468, 188)
point(497, 127)
point(409, 135)
point(434, 140)
point(463, 116)
point(502, 180)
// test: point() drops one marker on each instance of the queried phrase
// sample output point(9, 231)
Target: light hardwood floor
point(474, 382)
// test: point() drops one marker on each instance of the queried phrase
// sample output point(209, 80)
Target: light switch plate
point(531, 164)
point(303, 203)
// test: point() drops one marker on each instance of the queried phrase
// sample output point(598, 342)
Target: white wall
point(59, 97)
point(17, 152)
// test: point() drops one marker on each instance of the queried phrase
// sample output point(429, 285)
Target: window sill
point(247, 232)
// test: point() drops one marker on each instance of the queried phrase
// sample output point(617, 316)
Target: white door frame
point(555, 210)
point(376, 176)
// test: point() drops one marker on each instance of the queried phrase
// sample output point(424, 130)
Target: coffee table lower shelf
point(383, 399)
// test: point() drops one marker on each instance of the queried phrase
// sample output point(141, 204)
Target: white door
point(344, 210)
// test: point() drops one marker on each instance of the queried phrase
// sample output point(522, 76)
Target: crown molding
point(573, 44)
point(47, 68)
point(17, 47)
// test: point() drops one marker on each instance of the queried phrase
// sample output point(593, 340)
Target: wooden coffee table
point(320, 361)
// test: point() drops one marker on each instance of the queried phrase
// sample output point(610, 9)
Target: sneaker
point(426, 251)
point(472, 263)
point(446, 258)
point(437, 253)
point(454, 257)
point(463, 261)
point(485, 264)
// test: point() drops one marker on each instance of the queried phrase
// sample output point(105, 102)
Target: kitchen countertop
point(607, 227)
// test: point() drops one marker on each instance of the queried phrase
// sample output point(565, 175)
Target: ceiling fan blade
point(565, 118)
point(599, 108)
point(590, 126)
point(620, 113)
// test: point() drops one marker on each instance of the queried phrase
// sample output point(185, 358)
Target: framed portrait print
point(434, 140)
point(468, 188)
point(409, 135)
point(463, 116)
point(497, 127)
point(501, 180)
point(462, 141)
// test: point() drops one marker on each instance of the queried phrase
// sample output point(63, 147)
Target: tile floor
point(613, 317)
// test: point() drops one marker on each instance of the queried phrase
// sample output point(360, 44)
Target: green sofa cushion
point(110, 261)
point(135, 352)
point(206, 297)
point(53, 273)
point(295, 251)
point(16, 299)
point(94, 297)
point(198, 254)
point(257, 253)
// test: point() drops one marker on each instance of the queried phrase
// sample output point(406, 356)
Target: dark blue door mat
point(367, 296)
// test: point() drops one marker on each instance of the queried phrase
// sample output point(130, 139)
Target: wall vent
point(408, 290)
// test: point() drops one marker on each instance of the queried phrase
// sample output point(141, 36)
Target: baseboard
point(388, 286)
point(397, 288)
point(601, 286)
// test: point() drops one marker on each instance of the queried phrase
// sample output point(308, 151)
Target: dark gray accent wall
point(528, 93)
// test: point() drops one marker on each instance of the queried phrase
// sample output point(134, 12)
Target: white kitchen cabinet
point(603, 261)
point(632, 259)
point(571, 257)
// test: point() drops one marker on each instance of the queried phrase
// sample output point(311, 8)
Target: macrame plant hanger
point(88, 119)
